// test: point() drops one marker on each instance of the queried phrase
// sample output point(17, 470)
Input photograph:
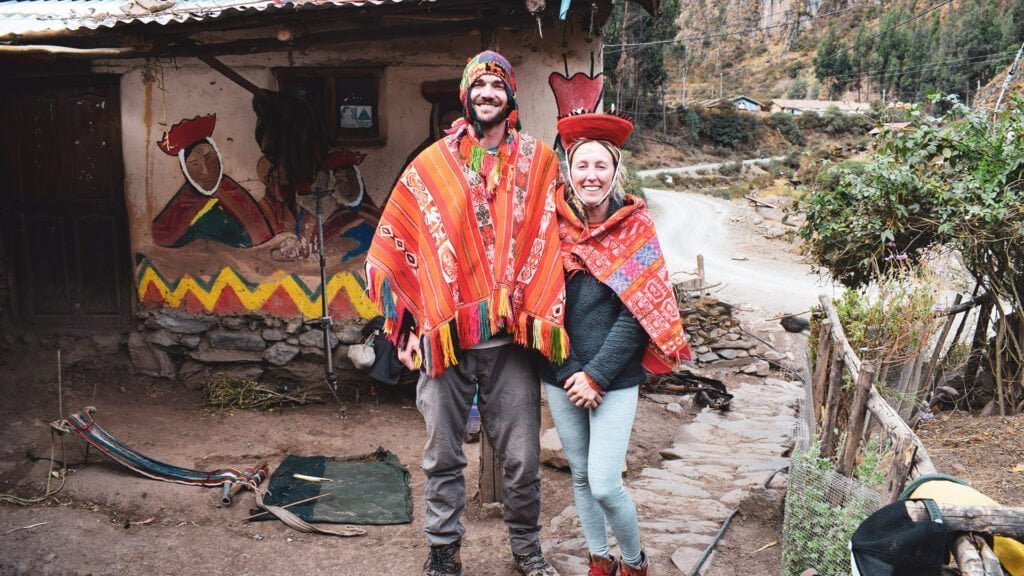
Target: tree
point(832, 65)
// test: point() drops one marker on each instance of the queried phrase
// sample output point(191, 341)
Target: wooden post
point(903, 451)
point(819, 382)
point(831, 408)
point(939, 345)
point(855, 426)
point(998, 520)
point(491, 472)
point(700, 270)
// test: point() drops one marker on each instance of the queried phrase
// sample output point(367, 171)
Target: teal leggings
point(595, 442)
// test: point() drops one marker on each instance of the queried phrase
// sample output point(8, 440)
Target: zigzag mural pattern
point(282, 294)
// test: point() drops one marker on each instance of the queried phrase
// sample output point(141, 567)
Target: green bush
point(730, 129)
point(787, 126)
point(730, 169)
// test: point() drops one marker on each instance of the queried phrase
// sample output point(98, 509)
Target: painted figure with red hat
point(209, 205)
point(350, 214)
point(622, 319)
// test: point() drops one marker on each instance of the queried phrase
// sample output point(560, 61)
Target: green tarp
point(368, 489)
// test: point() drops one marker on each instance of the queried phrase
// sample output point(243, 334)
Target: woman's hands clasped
point(580, 392)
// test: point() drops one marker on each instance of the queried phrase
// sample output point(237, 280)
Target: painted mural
point(209, 204)
point(217, 250)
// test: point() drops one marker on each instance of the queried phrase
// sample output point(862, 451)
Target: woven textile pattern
point(624, 254)
point(466, 263)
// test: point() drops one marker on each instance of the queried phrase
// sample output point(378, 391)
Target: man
point(209, 205)
point(465, 267)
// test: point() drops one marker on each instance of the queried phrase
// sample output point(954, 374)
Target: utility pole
point(1007, 80)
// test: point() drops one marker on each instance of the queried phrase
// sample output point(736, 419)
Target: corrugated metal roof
point(48, 17)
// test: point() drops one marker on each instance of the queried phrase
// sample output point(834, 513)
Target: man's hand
point(580, 392)
point(410, 353)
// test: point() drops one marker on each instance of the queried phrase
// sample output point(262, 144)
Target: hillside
point(902, 49)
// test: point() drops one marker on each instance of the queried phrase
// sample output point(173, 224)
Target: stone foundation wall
point(717, 338)
point(187, 347)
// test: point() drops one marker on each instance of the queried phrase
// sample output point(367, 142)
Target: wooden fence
point(835, 359)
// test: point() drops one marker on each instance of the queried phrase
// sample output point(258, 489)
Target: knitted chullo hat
point(496, 168)
point(489, 62)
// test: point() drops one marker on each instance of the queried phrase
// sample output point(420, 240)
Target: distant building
point(733, 103)
point(798, 107)
point(748, 104)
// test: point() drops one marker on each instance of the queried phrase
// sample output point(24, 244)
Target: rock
point(773, 355)
point(209, 355)
point(703, 349)
point(248, 341)
point(341, 359)
point(181, 324)
point(729, 353)
point(716, 334)
point(193, 374)
point(273, 335)
point(350, 333)
point(305, 374)
point(735, 363)
point(280, 353)
point(234, 322)
point(149, 360)
point(106, 343)
point(686, 558)
point(551, 450)
point(190, 341)
point(292, 340)
point(795, 324)
point(708, 357)
point(161, 338)
point(315, 339)
point(293, 326)
point(675, 408)
point(745, 344)
point(732, 336)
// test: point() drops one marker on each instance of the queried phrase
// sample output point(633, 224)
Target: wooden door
point(63, 201)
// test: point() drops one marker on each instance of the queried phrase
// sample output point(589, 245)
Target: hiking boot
point(533, 564)
point(627, 570)
point(445, 560)
point(603, 566)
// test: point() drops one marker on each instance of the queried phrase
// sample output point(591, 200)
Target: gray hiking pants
point(509, 402)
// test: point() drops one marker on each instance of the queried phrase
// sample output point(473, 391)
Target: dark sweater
point(605, 340)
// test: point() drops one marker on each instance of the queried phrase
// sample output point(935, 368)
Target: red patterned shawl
point(623, 253)
point(465, 267)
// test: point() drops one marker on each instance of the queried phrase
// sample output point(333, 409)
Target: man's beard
point(496, 120)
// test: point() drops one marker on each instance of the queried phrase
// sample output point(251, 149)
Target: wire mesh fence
point(823, 509)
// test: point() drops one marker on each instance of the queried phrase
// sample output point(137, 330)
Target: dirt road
point(767, 275)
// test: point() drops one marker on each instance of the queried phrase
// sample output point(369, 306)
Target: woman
point(621, 316)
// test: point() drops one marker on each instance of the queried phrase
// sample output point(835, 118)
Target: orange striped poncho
point(465, 260)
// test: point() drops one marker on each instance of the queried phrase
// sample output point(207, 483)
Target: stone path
point(715, 461)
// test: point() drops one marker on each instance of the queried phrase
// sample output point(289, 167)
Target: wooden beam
point(855, 424)
point(819, 381)
point(835, 393)
point(997, 520)
point(903, 451)
point(838, 332)
point(64, 51)
point(230, 74)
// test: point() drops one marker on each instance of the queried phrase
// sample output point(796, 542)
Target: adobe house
point(159, 158)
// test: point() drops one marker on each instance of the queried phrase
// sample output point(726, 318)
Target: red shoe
point(603, 566)
point(641, 570)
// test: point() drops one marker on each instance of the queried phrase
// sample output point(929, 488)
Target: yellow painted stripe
point(253, 299)
point(209, 206)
